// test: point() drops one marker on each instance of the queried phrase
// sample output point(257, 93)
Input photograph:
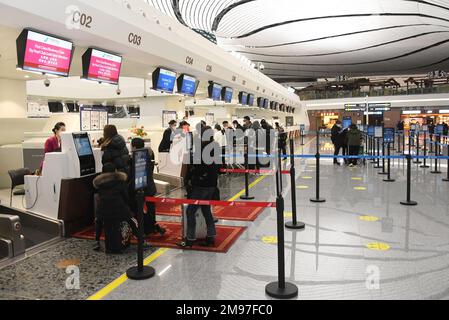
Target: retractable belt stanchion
point(410, 142)
point(389, 179)
point(317, 198)
point(399, 142)
point(409, 202)
point(140, 272)
point(431, 142)
point(447, 169)
point(280, 289)
point(377, 161)
point(417, 161)
point(437, 154)
point(403, 142)
point(246, 196)
point(425, 152)
point(373, 149)
point(383, 158)
point(295, 224)
point(302, 137)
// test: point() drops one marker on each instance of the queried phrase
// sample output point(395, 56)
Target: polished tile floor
point(359, 244)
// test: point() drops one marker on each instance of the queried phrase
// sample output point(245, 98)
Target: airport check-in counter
point(64, 191)
point(173, 165)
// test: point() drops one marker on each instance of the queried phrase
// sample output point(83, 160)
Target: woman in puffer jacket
point(114, 149)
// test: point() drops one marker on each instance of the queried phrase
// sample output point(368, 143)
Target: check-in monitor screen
point(251, 100)
point(104, 67)
point(228, 95)
point(45, 54)
point(216, 92)
point(166, 80)
point(188, 85)
point(82, 145)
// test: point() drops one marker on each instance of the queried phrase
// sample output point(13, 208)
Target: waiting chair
point(17, 179)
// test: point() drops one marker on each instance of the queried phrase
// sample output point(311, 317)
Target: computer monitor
point(187, 85)
point(55, 107)
point(226, 94)
point(164, 80)
point(101, 66)
point(214, 91)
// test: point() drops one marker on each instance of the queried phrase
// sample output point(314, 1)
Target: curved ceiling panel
point(324, 38)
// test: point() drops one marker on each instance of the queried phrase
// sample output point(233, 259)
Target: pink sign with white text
point(47, 54)
point(104, 67)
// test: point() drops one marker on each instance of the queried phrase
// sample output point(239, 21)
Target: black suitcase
point(117, 236)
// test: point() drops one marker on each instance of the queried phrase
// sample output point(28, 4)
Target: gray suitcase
point(201, 227)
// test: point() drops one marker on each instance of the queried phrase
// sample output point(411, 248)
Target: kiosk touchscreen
point(85, 153)
point(140, 161)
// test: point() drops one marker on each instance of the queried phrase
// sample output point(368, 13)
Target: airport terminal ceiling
point(302, 40)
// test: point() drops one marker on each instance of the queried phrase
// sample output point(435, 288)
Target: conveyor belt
point(21, 231)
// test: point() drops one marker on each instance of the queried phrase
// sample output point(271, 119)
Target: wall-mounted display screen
point(215, 91)
point(187, 85)
point(266, 103)
point(227, 94)
point(55, 107)
point(101, 66)
point(260, 102)
point(251, 100)
point(40, 52)
point(243, 98)
point(164, 80)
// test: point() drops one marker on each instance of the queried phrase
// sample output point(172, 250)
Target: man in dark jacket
point(203, 181)
point(354, 138)
point(114, 149)
point(112, 208)
point(336, 139)
point(167, 138)
point(149, 219)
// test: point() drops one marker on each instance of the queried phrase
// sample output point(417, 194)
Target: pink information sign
point(47, 54)
point(104, 67)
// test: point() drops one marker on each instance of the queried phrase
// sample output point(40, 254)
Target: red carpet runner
point(226, 237)
point(224, 213)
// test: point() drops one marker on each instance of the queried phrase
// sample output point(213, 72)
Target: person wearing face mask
point(53, 144)
point(335, 137)
point(166, 142)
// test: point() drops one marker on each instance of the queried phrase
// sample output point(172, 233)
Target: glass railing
point(315, 95)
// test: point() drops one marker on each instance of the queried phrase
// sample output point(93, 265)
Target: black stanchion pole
point(246, 196)
point(295, 224)
point(377, 153)
point(373, 149)
point(389, 179)
point(410, 142)
point(417, 161)
point(399, 142)
point(447, 169)
point(403, 142)
point(281, 289)
point(383, 158)
point(140, 272)
point(437, 154)
point(431, 142)
point(302, 137)
point(409, 202)
point(317, 198)
point(425, 166)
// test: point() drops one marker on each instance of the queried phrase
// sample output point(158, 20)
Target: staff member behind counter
point(53, 143)
point(166, 142)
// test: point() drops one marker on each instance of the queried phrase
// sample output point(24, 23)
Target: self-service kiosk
point(64, 190)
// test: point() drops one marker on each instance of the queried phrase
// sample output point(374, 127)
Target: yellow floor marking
point(378, 246)
point(288, 214)
point(357, 179)
point(369, 218)
point(359, 188)
point(123, 278)
point(306, 178)
point(302, 187)
point(252, 185)
point(270, 240)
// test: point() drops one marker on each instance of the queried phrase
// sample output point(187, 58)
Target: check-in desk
point(173, 165)
point(64, 191)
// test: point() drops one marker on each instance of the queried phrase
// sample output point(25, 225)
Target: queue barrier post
point(447, 169)
point(425, 166)
point(409, 202)
point(403, 142)
point(437, 153)
point(246, 196)
point(377, 153)
point(383, 172)
point(389, 179)
point(294, 224)
point(417, 161)
point(280, 289)
point(140, 272)
point(317, 198)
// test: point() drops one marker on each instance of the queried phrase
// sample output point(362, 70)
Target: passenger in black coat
point(114, 149)
point(113, 201)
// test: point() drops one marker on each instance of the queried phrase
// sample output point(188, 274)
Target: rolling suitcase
point(201, 227)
